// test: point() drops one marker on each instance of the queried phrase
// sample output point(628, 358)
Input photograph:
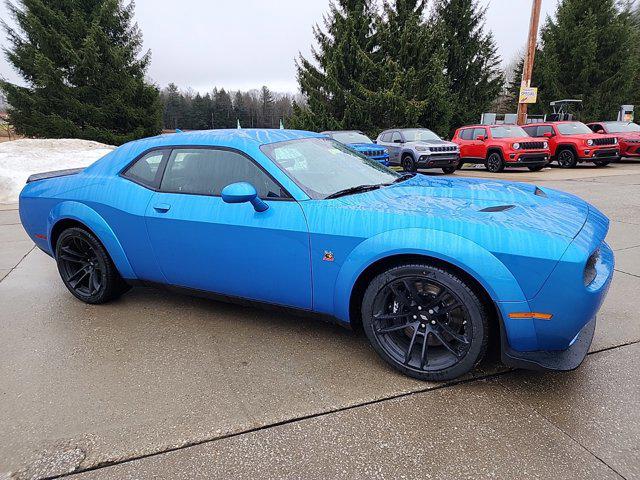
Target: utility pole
point(529, 58)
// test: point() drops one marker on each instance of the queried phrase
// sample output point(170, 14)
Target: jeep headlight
point(516, 146)
point(385, 152)
point(590, 142)
point(422, 149)
point(545, 145)
point(615, 140)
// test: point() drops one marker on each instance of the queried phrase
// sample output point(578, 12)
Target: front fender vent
point(497, 208)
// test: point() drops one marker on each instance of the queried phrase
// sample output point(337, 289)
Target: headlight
point(545, 145)
point(615, 140)
point(385, 152)
point(422, 149)
point(590, 142)
point(516, 146)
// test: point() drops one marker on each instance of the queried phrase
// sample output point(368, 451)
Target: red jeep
point(628, 134)
point(573, 142)
point(500, 146)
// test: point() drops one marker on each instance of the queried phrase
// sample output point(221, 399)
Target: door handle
point(162, 207)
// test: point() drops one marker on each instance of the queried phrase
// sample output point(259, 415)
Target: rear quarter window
point(146, 170)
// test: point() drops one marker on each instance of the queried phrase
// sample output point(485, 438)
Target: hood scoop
point(497, 208)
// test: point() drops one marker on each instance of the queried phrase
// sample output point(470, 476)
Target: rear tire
point(409, 164)
point(495, 163)
point(425, 322)
point(86, 268)
point(449, 170)
point(604, 163)
point(567, 158)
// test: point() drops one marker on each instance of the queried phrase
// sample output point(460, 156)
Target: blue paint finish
point(365, 148)
point(308, 253)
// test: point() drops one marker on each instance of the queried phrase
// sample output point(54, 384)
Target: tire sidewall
point(493, 169)
point(570, 164)
point(472, 303)
point(408, 164)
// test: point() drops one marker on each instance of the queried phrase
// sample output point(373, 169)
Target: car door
point(203, 243)
point(464, 141)
point(395, 147)
point(478, 148)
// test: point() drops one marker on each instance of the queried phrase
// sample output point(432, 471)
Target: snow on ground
point(21, 158)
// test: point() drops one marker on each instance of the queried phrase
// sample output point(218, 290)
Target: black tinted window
point(466, 134)
point(531, 131)
point(145, 170)
point(207, 171)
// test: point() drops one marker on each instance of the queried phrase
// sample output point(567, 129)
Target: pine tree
point(589, 51)
point(472, 62)
point(336, 81)
point(84, 75)
point(266, 119)
point(415, 87)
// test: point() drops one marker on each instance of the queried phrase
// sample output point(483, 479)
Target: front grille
point(604, 141)
point(443, 149)
point(373, 153)
point(531, 145)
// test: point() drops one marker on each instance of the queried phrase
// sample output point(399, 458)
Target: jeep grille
point(604, 141)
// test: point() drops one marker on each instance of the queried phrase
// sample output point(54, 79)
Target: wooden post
point(529, 57)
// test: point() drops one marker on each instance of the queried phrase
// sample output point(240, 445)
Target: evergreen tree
point(342, 71)
point(172, 112)
point(84, 74)
point(266, 119)
point(589, 51)
point(472, 62)
point(223, 109)
point(411, 60)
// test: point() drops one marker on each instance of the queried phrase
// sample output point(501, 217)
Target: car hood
point(457, 204)
point(626, 135)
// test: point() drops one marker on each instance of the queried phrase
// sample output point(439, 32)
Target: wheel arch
point(495, 149)
point(70, 214)
point(566, 146)
point(407, 151)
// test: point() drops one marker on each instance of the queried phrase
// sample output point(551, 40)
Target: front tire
point(425, 322)
point(567, 158)
point(495, 163)
point(449, 170)
point(86, 268)
point(537, 168)
point(409, 164)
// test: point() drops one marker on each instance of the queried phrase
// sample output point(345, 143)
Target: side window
point(466, 134)
point(477, 132)
point(386, 137)
point(147, 169)
point(596, 127)
point(396, 137)
point(531, 131)
point(543, 130)
point(207, 171)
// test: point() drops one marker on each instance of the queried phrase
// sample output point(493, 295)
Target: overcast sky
point(244, 44)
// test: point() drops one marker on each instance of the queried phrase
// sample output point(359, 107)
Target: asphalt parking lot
point(167, 386)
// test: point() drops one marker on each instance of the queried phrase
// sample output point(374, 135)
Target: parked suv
point(414, 148)
point(627, 133)
point(500, 146)
point(573, 142)
point(358, 141)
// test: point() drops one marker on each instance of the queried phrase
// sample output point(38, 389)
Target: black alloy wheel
point(536, 168)
point(567, 159)
point(86, 268)
point(495, 164)
point(449, 170)
point(425, 322)
point(409, 164)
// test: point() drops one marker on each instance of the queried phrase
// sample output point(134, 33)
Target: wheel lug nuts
point(419, 307)
point(433, 322)
point(415, 317)
point(422, 325)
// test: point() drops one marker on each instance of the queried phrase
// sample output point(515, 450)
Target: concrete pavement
point(166, 386)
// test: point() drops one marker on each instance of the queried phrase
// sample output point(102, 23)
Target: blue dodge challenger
point(432, 268)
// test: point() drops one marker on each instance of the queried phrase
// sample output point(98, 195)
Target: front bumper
point(599, 155)
point(438, 160)
point(528, 159)
point(562, 342)
point(631, 150)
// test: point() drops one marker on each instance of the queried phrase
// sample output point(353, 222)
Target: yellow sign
point(528, 95)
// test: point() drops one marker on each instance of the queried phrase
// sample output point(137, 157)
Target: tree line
point(375, 64)
point(221, 109)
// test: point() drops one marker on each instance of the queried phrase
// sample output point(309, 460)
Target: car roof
point(327, 132)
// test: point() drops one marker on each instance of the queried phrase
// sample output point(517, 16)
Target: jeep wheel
point(409, 164)
point(536, 168)
point(603, 163)
point(425, 322)
point(449, 170)
point(567, 159)
point(495, 164)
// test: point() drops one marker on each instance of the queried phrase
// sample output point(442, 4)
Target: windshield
point(508, 131)
point(350, 137)
point(573, 128)
point(321, 166)
point(419, 135)
point(622, 127)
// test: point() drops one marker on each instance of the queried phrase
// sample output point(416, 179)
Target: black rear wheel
point(86, 268)
point(449, 170)
point(425, 321)
point(495, 163)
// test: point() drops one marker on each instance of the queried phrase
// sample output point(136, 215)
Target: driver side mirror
point(547, 134)
point(397, 140)
point(480, 138)
point(242, 192)
point(601, 132)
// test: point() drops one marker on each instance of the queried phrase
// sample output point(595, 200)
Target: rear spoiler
point(53, 174)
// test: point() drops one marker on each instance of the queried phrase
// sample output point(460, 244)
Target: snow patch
point(21, 158)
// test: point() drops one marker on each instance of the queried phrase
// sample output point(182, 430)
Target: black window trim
point(165, 159)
